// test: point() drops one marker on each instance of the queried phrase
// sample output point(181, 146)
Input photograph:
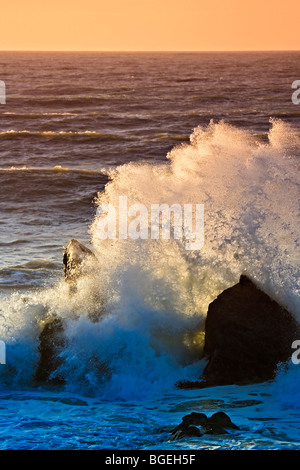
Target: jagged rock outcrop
point(197, 424)
point(247, 334)
point(73, 257)
point(51, 341)
point(51, 338)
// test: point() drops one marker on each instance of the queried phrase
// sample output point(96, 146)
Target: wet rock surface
point(197, 424)
point(247, 335)
point(51, 338)
point(74, 255)
point(51, 341)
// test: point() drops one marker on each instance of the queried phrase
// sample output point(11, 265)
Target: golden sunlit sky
point(149, 25)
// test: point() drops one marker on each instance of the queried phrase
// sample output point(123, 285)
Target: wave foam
point(149, 295)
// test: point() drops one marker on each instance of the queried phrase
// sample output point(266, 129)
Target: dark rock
point(73, 257)
point(51, 338)
point(193, 419)
point(188, 384)
point(51, 342)
point(187, 431)
point(247, 334)
point(197, 419)
point(218, 423)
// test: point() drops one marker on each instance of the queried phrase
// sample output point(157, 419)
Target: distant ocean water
point(77, 129)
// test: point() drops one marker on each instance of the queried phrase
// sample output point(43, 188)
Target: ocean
point(82, 129)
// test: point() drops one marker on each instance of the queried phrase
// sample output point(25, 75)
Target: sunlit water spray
point(135, 322)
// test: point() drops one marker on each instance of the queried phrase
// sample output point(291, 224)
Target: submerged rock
point(197, 419)
point(218, 423)
point(183, 432)
point(51, 341)
point(188, 426)
point(51, 338)
point(73, 257)
point(247, 334)
point(198, 424)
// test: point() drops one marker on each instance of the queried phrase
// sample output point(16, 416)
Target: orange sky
point(149, 25)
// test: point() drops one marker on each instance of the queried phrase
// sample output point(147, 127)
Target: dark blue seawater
point(218, 129)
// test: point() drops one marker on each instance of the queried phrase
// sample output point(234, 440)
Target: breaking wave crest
point(130, 325)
